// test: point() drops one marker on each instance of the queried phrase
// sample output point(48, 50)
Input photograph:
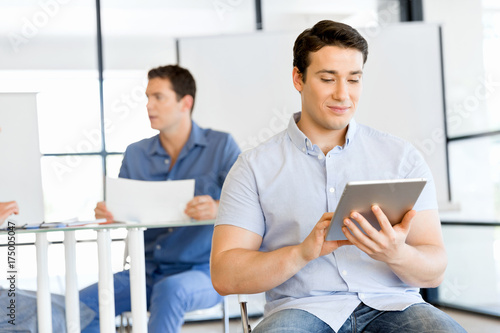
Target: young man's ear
point(187, 103)
point(298, 81)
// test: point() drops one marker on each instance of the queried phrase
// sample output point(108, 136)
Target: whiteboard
point(403, 92)
point(245, 87)
point(244, 83)
point(20, 170)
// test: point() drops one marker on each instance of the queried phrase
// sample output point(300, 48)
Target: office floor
point(471, 322)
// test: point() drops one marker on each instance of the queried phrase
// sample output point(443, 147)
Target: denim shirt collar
point(196, 138)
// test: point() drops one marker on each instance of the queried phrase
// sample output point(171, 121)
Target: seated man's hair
point(181, 79)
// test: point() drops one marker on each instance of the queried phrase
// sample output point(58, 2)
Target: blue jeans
point(170, 294)
point(418, 318)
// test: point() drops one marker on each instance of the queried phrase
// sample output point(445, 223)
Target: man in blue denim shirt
point(278, 201)
point(177, 259)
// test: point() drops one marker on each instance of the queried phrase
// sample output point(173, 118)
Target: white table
point(105, 284)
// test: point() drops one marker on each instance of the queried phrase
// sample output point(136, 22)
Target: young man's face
point(332, 87)
point(164, 109)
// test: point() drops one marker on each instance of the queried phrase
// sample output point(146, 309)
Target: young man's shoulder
point(218, 141)
point(144, 144)
point(378, 136)
point(212, 134)
point(267, 149)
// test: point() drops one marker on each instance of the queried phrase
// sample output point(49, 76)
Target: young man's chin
point(338, 124)
point(155, 125)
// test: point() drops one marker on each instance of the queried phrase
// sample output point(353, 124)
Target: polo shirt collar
point(304, 144)
point(196, 138)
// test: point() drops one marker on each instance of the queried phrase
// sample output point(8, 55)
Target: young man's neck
point(174, 139)
point(325, 139)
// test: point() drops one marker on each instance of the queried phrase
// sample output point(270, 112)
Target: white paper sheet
point(148, 201)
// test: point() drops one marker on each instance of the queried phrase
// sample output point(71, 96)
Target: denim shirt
point(206, 157)
point(280, 189)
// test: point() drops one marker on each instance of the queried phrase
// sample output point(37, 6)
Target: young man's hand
point(202, 207)
point(102, 212)
point(315, 245)
point(384, 245)
point(7, 209)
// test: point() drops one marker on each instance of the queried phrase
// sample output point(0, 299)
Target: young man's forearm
point(242, 271)
point(421, 266)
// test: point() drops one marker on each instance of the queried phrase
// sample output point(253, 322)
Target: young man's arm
point(413, 249)
point(238, 267)
point(204, 207)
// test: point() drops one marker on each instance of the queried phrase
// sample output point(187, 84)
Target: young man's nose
point(340, 92)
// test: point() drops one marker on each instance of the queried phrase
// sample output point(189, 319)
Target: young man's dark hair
point(182, 81)
point(326, 33)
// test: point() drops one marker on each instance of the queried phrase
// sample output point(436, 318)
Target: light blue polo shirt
point(206, 157)
point(280, 190)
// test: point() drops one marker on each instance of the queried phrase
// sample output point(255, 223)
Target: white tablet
point(394, 197)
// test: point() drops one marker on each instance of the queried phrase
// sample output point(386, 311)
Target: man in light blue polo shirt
point(177, 259)
point(278, 199)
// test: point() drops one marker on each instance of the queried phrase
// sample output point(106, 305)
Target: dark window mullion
point(474, 136)
point(258, 15)
point(100, 66)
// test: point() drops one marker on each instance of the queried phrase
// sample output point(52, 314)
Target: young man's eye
point(327, 80)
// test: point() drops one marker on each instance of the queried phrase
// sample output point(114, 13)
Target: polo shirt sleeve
point(239, 203)
point(420, 169)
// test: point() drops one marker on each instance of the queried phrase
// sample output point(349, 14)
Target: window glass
point(171, 18)
point(49, 47)
point(475, 179)
point(491, 42)
point(472, 78)
point(57, 34)
point(132, 49)
point(126, 117)
point(279, 15)
point(72, 185)
point(472, 278)
point(67, 107)
point(113, 164)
